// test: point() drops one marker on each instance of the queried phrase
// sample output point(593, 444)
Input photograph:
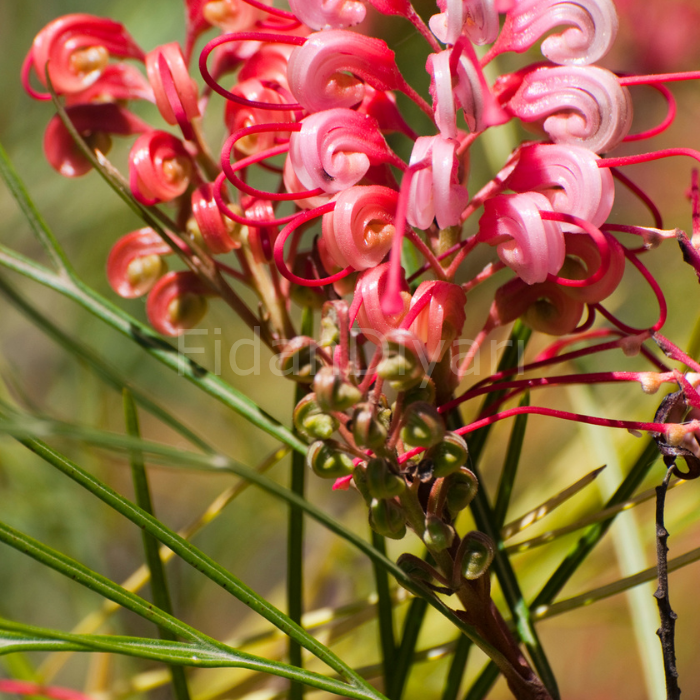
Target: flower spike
point(328, 14)
point(475, 19)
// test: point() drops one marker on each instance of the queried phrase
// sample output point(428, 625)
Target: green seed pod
point(449, 455)
point(425, 391)
point(478, 551)
point(382, 482)
point(410, 565)
point(438, 535)
point(360, 479)
point(299, 359)
point(327, 460)
point(461, 489)
point(367, 429)
point(387, 519)
point(401, 365)
point(334, 393)
point(422, 425)
point(311, 421)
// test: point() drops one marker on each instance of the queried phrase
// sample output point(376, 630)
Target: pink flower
point(134, 264)
point(177, 302)
point(328, 14)
point(217, 230)
point(371, 287)
point(118, 82)
point(476, 19)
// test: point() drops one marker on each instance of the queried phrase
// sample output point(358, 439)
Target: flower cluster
point(312, 102)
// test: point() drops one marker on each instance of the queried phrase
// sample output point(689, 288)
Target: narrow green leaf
point(510, 465)
point(544, 509)
point(406, 653)
point(159, 584)
point(457, 668)
point(385, 616)
point(483, 683)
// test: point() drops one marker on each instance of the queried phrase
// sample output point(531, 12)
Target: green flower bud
point(401, 365)
point(461, 489)
point(387, 518)
point(410, 565)
point(425, 391)
point(367, 429)
point(311, 421)
point(478, 551)
point(330, 333)
point(334, 393)
point(438, 535)
point(299, 360)
point(382, 482)
point(422, 425)
point(328, 461)
point(449, 455)
point(360, 479)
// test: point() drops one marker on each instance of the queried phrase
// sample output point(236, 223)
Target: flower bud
point(311, 421)
point(478, 552)
point(387, 519)
point(425, 391)
point(327, 460)
point(401, 363)
point(408, 563)
point(438, 535)
point(382, 481)
point(449, 455)
point(333, 392)
point(298, 360)
point(422, 425)
point(367, 430)
point(330, 333)
point(461, 490)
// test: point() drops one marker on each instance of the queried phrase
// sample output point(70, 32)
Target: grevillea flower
point(177, 302)
point(371, 287)
point(94, 122)
point(160, 168)
point(381, 106)
point(118, 82)
point(592, 32)
point(318, 70)
point(335, 149)
point(292, 184)
point(232, 15)
point(261, 239)
point(134, 263)
point(435, 191)
point(576, 105)
point(175, 91)
point(476, 19)
point(328, 14)
point(219, 233)
point(569, 177)
point(531, 247)
point(441, 316)
point(359, 231)
point(78, 48)
point(269, 65)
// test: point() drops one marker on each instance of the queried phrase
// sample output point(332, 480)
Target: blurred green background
point(594, 650)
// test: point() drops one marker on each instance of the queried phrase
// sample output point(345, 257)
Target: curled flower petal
point(576, 105)
point(268, 64)
point(119, 81)
point(381, 106)
point(591, 34)
point(219, 233)
point(569, 177)
point(371, 287)
point(435, 191)
point(94, 122)
point(292, 184)
point(545, 306)
point(359, 231)
point(328, 14)
point(531, 247)
point(335, 149)
point(134, 263)
point(261, 239)
point(77, 48)
point(174, 89)
point(476, 19)
point(177, 302)
point(232, 15)
point(160, 167)
point(441, 319)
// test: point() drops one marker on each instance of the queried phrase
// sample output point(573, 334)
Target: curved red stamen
point(663, 308)
point(413, 312)
point(648, 157)
point(668, 119)
point(174, 98)
point(25, 77)
point(596, 234)
point(641, 194)
point(588, 323)
point(230, 169)
point(246, 36)
point(278, 252)
point(660, 78)
point(674, 352)
point(276, 11)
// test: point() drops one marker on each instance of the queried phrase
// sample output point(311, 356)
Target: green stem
point(385, 616)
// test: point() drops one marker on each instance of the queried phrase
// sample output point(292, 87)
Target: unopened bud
point(461, 489)
point(187, 310)
point(328, 461)
point(330, 333)
point(438, 535)
point(382, 482)
point(387, 519)
point(367, 429)
point(333, 392)
point(478, 554)
point(311, 421)
point(410, 565)
point(422, 425)
point(401, 363)
point(425, 391)
point(144, 271)
point(299, 360)
point(449, 455)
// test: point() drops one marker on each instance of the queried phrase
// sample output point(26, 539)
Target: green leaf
point(406, 653)
point(457, 668)
point(385, 615)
